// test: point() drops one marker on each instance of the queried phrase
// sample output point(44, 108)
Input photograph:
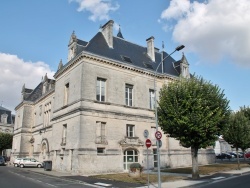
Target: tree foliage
point(193, 111)
point(238, 130)
point(5, 141)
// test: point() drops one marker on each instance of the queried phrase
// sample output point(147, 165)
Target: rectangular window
point(66, 94)
point(64, 136)
point(151, 99)
point(100, 150)
point(100, 89)
point(129, 94)
point(130, 130)
point(101, 133)
point(155, 157)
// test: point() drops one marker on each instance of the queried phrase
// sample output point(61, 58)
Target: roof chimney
point(107, 31)
point(151, 48)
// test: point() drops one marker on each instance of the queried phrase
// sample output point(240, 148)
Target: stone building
point(91, 117)
point(6, 120)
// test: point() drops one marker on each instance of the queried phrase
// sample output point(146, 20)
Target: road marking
point(103, 184)
point(218, 178)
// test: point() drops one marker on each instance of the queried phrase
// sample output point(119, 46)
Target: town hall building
point(91, 117)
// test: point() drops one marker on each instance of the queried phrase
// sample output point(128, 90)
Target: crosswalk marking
point(103, 184)
point(218, 178)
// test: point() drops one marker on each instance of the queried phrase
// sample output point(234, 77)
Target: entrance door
point(130, 156)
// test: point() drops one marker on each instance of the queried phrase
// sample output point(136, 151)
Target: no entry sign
point(148, 143)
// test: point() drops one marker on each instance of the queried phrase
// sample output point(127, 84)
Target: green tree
point(194, 112)
point(246, 144)
point(5, 141)
point(237, 132)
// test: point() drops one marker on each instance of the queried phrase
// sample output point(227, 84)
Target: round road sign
point(158, 135)
point(148, 143)
point(145, 133)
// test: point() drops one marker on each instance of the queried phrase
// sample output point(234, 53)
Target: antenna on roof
point(163, 45)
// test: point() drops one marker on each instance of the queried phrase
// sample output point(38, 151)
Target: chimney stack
point(151, 48)
point(107, 31)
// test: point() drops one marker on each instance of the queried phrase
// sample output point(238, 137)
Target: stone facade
point(92, 117)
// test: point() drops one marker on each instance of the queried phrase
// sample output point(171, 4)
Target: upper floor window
point(100, 89)
point(64, 134)
point(151, 99)
point(129, 95)
point(66, 94)
point(130, 131)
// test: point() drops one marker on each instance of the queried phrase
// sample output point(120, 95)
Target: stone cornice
point(79, 109)
point(103, 60)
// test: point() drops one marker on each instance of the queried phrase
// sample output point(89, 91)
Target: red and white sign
point(148, 143)
point(158, 135)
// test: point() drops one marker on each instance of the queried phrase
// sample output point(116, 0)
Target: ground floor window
point(130, 156)
point(155, 157)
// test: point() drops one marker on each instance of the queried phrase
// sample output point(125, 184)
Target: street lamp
point(178, 48)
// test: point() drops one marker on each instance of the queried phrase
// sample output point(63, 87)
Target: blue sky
point(34, 36)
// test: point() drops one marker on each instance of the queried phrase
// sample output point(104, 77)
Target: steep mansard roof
point(126, 52)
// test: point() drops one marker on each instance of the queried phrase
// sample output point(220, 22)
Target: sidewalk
point(172, 184)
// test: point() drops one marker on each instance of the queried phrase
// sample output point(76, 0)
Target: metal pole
point(147, 167)
point(156, 123)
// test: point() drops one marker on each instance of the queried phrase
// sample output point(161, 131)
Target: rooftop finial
point(119, 34)
point(163, 46)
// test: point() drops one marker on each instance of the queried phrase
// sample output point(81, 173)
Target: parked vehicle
point(247, 155)
point(234, 155)
point(224, 156)
point(30, 162)
point(16, 162)
point(2, 161)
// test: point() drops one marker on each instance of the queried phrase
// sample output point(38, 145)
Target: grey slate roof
point(4, 109)
point(138, 54)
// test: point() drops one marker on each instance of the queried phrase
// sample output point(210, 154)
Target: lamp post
point(178, 48)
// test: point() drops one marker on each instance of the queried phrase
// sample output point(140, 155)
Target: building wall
point(78, 153)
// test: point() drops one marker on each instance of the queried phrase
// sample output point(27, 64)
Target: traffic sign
point(145, 133)
point(160, 143)
point(158, 135)
point(148, 143)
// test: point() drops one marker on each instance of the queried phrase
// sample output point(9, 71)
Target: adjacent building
point(6, 120)
point(90, 118)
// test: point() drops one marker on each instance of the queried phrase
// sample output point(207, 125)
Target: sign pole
point(147, 167)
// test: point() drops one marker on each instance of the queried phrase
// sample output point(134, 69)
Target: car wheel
point(15, 165)
point(21, 166)
point(39, 166)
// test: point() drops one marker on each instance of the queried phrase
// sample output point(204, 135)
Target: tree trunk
point(195, 166)
point(238, 161)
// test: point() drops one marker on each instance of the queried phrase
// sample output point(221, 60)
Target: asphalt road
point(18, 178)
point(239, 181)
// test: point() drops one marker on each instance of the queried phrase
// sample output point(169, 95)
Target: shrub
point(135, 166)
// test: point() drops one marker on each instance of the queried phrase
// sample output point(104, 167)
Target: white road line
point(103, 184)
point(218, 178)
point(50, 185)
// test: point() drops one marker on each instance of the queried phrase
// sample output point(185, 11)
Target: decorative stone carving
point(131, 141)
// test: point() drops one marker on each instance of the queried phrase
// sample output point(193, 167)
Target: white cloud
point(213, 29)
point(99, 9)
point(15, 72)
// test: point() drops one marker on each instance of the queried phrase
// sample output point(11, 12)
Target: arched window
point(130, 156)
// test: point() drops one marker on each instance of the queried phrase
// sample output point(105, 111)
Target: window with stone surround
point(47, 114)
point(101, 132)
point(66, 94)
point(64, 134)
point(129, 94)
point(100, 89)
point(151, 99)
point(130, 131)
point(100, 150)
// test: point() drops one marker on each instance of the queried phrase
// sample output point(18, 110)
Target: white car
point(17, 161)
point(30, 162)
